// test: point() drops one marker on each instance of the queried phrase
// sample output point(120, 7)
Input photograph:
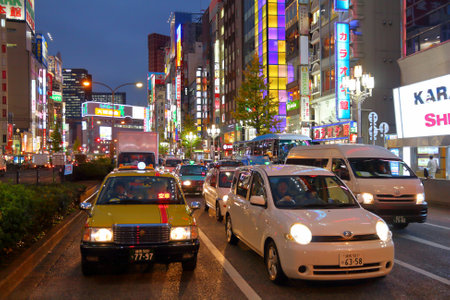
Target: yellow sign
point(107, 112)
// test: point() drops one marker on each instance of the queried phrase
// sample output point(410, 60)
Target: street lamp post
point(213, 132)
point(113, 91)
point(359, 87)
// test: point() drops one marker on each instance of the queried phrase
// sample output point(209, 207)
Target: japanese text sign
point(342, 65)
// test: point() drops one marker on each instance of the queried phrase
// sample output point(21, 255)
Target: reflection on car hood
point(111, 214)
point(331, 221)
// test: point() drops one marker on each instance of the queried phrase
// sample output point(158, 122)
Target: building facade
point(156, 51)
point(119, 97)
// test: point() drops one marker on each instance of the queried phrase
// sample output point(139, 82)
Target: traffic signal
point(97, 140)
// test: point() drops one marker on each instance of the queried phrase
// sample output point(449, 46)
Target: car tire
point(219, 216)
point(87, 268)
point(231, 238)
point(273, 265)
point(189, 265)
point(400, 225)
point(206, 206)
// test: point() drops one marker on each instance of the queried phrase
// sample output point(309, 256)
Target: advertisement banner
point(105, 133)
point(13, 9)
point(336, 131)
point(9, 138)
point(423, 108)
point(304, 81)
point(341, 5)
point(305, 109)
point(292, 105)
point(100, 109)
point(41, 49)
point(30, 14)
point(342, 69)
point(303, 16)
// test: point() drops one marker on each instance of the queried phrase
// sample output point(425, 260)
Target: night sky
point(108, 37)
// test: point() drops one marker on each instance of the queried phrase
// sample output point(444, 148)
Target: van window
point(340, 169)
point(243, 183)
point(258, 186)
point(380, 168)
point(213, 179)
point(313, 162)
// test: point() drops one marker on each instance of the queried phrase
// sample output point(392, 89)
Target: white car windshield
point(380, 168)
point(303, 192)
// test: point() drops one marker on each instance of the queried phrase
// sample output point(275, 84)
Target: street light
point(213, 132)
point(88, 83)
point(191, 138)
point(359, 87)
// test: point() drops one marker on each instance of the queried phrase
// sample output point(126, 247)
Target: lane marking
point(419, 240)
point(423, 272)
point(438, 226)
point(232, 272)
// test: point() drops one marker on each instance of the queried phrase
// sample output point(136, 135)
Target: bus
point(274, 145)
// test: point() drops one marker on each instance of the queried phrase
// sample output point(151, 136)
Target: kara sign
point(336, 131)
point(342, 65)
point(13, 9)
point(423, 109)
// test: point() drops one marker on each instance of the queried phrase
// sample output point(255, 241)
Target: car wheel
point(189, 265)
point(206, 206)
point(400, 225)
point(273, 265)
point(87, 268)
point(231, 238)
point(219, 216)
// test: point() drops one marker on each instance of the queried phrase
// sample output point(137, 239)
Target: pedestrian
point(432, 167)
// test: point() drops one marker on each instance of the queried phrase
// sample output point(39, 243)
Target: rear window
point(132, 159)
point(140, 190)
point(230, 163)
point(172, 162)
point(193, 170)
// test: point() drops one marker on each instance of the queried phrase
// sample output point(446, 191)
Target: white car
point(216, 188)
point(306, 224)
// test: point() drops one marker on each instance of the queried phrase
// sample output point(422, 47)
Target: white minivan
point(380, 180)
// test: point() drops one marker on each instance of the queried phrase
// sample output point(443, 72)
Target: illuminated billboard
point(13, 9)
point(41, 50)
point(100, 109)
point(341, 5)
point(342, 69)
point(178, 61)
point(105, 133)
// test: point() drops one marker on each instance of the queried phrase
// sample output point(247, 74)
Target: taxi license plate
point(399, 219)
point(141, 255)
point(350, 260)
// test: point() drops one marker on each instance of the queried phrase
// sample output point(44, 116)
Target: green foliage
point(163, 150)
point(56, 139)
point(27, 211)
point(96, 169)
point(252, 107)
point(76, 146)
point(189, 126)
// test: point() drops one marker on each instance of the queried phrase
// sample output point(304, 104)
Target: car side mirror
point(194, 205)
point(85, 206)
point(258, 200)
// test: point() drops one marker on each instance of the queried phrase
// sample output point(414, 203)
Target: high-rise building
point(74, 94)
point(119, 97)
point(6, 127)
point(421, 99)
point(156, 51)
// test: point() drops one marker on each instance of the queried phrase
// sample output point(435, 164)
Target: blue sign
point(341, 5)
point(342, 69)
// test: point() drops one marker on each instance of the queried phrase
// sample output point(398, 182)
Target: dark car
point(191, 177)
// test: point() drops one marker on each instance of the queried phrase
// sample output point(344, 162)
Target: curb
point(16, 272)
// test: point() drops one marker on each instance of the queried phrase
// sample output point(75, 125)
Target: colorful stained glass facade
point(270, 45)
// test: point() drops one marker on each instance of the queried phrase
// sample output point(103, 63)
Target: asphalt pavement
point(421, 271)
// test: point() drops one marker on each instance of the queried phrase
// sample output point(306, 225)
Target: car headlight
point(301, 234)
point(225, 198)
point(365, 198)
point(187, 182)
point(383, 231)
point(183, 233)
point(420, 198)
point(103, 235)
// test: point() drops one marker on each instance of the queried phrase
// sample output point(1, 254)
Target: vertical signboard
point(341, 5)
point(178, 59)
point(13, 9)
point(41, 50)
point(342, 69)
point(305, 108)
point(30, 14)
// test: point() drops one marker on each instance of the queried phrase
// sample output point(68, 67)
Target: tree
point(76, 145)
point(189, 126)
point(56, 139)
point(254, 105)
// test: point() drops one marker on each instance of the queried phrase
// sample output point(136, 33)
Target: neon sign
point(341, 5)
point(342, 69)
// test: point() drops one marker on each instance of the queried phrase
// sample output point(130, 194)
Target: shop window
point(4, 99)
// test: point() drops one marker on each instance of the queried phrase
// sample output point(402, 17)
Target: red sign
point(332, 131)
point(10, 138)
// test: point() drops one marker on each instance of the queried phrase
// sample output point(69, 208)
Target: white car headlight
point(187, 182)
point(183, 233)
point(103, 235)
point(383, 231)
point(420, 198)
point(301, 234)
point(225, 198)
point(365, 198)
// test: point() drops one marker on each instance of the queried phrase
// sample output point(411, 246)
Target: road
point(422, 271)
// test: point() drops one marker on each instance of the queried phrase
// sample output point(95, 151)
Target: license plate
point(399, 219)
point(141, 255)
point(350, 260)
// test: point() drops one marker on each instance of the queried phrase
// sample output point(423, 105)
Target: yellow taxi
point(139, 216)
